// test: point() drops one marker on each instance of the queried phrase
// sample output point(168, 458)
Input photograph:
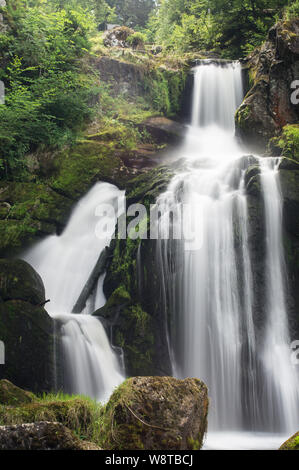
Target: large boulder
point(267, 107)
point(292, 443)
point(156, 413)
point(26, 329)
point(41, 436)
point(118, 37)
point(19, 281)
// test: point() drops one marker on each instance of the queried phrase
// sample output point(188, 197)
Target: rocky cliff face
point(161, 86)
point(273, 68)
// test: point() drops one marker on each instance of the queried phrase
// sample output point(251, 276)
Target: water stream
point(89, 364)
point(253, 385)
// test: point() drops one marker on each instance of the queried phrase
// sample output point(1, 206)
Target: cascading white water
point(281, 382)
point(65, 263)
point(211, 294)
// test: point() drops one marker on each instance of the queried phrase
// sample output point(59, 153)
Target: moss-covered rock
point(138, 322)
point(32, 210)
point(19, 281)
point(76, 414)
point(85, 163)
point(25, 327)
point(35, 209)
point(155, 413)
point(292, 443)
point(27, 333)
point(118, 37)
point(252, 179)
point(41, 436)
point(11, 395)
point(80, 414)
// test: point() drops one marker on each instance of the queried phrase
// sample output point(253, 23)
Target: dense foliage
point(232, 28)
point(47, 95)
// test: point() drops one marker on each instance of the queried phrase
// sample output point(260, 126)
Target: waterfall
point(213, 335)
point(89, 364)
point(281, 384)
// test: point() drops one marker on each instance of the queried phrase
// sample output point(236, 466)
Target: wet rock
point(288, 164)
point(41, 436)
point(252, 179)
point(156, 413)
point(292, 443)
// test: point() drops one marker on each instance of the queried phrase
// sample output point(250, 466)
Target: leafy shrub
point(136, 40)
point(47, 96)
point(292, 10)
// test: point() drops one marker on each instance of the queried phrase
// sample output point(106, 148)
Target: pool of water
point(243, 441)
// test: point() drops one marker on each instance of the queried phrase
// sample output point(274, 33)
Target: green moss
point(42, 208)
point(80, 414)
point(10, 395)
point(164, 88)
point(115, 435)
point(83, 164)
point(134, 330)
point(292, 443)
point(146, 413)
point(242, 116)
point(288, 142)
point(34, 210)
